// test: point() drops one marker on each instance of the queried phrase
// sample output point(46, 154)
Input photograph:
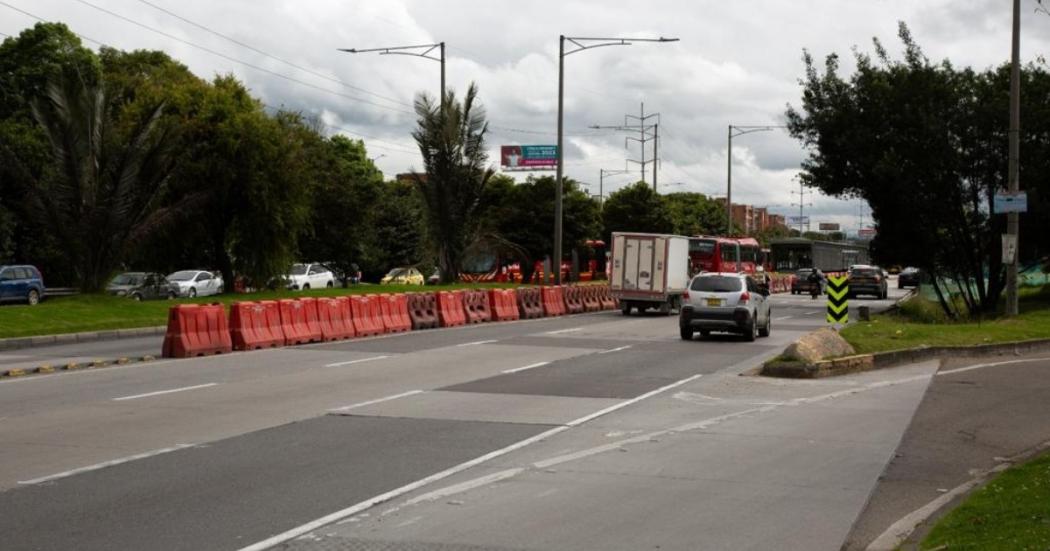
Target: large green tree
point(636, 208)
point(694, 214)
point(451, 138)
point(925, 145)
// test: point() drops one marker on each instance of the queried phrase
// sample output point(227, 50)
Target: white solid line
point(337, 364)
point(980, 366)
point(370, 402)
point(811, 313)
point(475, 343)
point(105, 464)
point(783, 318)
point(615, 349)
point(465, 486)
point(560, 331)
point(634, 400)
point(392, 494)
point(159, 392)
point(530, 366)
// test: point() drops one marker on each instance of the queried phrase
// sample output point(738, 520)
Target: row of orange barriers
point(205, 329)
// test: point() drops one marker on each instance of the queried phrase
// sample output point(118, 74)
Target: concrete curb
point(46, 368)
point(71, 338)
point(881, 360)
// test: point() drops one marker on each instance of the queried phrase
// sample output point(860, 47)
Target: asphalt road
point(226, 451)
point(976, 415)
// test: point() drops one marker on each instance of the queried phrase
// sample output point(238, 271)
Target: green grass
point(102, 312)
point(1011, 513)
point(921, 322)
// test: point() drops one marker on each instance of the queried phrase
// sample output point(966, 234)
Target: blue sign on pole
point(1010, 202)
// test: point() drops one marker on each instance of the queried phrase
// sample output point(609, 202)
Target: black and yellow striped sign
point(838, 299)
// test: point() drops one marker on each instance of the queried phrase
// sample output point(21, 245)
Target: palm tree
point(451, 138)
point(103, 186)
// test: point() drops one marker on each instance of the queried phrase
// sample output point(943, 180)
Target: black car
point(142, 286)
point(909, 277)
point(802, 285)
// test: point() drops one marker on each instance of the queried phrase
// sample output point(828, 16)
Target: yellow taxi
point(403, 276)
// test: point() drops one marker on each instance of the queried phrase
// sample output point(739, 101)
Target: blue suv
point(21, 284)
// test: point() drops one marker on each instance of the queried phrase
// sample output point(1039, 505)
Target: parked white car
point(309, 276)
point(196, 283)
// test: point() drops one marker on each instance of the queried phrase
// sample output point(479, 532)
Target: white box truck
point(649, 271)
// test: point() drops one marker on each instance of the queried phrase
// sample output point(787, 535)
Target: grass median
point(919, 322)
point(97, 312)
point(1011, 512)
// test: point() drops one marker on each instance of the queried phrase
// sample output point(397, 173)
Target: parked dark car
point(909, 277)
point(21, 284)
point(802, 284)
point(142, 286)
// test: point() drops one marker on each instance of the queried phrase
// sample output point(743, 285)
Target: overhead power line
point(271, 56)
point(42, 20)
point(235, 60)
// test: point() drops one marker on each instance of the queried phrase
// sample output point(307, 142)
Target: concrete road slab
point(470, 406)
point(230, 493)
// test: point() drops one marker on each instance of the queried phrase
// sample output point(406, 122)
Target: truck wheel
point(665, 308)
point(625, 308)
point(686, 332)
point(704, 333)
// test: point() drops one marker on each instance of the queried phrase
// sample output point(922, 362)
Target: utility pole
point(580, 43)
point(644, 137)
point(421, 50)
point(1013, 178)
point(656, 151)
point(801, 203)
point(602, 173)
point(739, 131)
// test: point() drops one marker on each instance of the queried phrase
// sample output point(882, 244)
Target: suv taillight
point(745, 297)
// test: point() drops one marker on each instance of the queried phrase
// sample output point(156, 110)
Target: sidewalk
point(970, 421)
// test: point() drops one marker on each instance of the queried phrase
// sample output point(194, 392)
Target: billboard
point(528, 157)
point(797, 220)
point(866, 232)
point(829, 226)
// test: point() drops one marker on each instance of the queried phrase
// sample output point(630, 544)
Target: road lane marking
point(811, 313)
point(980, 366)
point(105, 464)
point(783, 318)
point(378, 400)
point(159, 392)
point(373, 358)
point(530, 366)
point(397, 492)
point(611, 350)
point(475, 343)
point(560, 331)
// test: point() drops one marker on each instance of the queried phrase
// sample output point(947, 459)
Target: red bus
point(724, 254)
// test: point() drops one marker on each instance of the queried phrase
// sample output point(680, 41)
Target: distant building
point(752, 219)
point(408, 177)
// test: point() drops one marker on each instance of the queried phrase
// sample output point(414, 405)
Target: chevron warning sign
point(838, 299)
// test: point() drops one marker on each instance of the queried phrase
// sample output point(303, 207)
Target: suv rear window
point(865, 273)
point(717, 284)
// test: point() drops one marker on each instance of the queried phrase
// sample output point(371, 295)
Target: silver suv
point(731, 303)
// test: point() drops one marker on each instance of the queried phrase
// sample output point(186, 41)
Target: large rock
point(819, 345)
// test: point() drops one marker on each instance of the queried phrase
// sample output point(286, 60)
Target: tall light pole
point(1013, 178)
point(735, 131)
point(602, 173)
point(580, 43)
point(421, 50)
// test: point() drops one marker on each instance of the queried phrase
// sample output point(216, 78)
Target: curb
point(73, 366)
point(893, 358)
point(71, 338)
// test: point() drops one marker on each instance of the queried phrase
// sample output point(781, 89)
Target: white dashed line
point(475, 343)
point(530, 366)
point(378, 400)
point(105, 464)
point(159, 392)
point(373, 358)
point(560, 331)
point(611, 350)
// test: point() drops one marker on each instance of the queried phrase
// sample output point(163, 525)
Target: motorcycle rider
point(815, 279)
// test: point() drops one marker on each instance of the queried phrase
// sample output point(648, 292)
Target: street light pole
point(580, 43)
point(740, 131)
point(421, 50)
point(602, 173)
point(1013, 178)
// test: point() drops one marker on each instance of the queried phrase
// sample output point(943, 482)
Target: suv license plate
point(714, 302)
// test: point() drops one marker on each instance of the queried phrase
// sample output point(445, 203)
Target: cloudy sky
point(737, 63)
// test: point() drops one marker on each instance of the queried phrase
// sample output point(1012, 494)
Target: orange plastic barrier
point(334, 318)
point(503, 303)
point(394, 310)
point(196, 330)
point(367, 315)
point(591, 302)
point(255, 325)
point(476, 304)
point(530, 303)
point(573, 304)
point(451, 311)
point(422, 310)
point(553, 301)
point(299, 320)
point(606, 298)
